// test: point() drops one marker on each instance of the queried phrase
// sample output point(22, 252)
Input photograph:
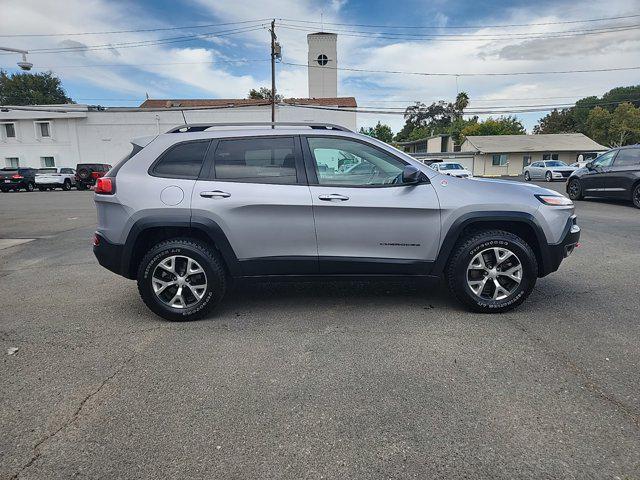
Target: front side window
point(10, 130)
point(628, 156)
point(180, 161)
point(12, 162)
point(550, 156)
point(47, 161)
point(499, 160)
point(605, 160)
point(256, 160)
point(67, 170)
point(344, 162)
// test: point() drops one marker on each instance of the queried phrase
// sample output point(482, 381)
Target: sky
point(228, 58)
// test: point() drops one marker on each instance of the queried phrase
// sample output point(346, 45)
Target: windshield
point(47, 170)
point(451, 166)
point(556, 164)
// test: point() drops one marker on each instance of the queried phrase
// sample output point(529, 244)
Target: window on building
point(10, 130)
point(182, 161)
point(47, 162)
point(526, 160)
point(43, 129)
point(256, 160)
point(499, 160)
point(550, 156)
point(13, 162)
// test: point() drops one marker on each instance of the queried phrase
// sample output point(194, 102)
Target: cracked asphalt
point(314, 380)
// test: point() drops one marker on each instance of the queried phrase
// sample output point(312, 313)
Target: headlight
point(555, 200)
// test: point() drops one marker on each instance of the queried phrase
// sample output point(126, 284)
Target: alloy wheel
point(574, 189)
point(494, 274)
point(179, 281)
point(636, 196)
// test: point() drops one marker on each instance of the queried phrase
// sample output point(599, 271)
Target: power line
point(478, 74)
point(565, 22)
point(463, 37)
point(183, 27)
point(135, 65)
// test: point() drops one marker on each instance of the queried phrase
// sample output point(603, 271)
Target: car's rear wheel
point(81, 186)
point(181, 279)
point(635, 196)
point(548, 177)
point(575, 189)
point(30, 187)
point(42, 189)
point(527, 177)
point(66, 186)
point(492, 271)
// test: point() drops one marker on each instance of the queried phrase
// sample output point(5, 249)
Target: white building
point(65, 135)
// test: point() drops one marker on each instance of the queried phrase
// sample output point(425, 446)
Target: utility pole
point(273, 71)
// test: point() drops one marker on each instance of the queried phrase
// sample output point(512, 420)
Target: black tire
point(548, 177)
point(574, 189)
point(527, 177)
point(66, 186)
point(42, 189)
point(84, 173)
point(474, 243)
point(30, 187)
point(213, 268)
point(635, 196)
point(4, 190)
point(81, 186)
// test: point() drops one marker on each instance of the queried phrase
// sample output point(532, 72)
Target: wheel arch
point(149, 231)
point(519, 223)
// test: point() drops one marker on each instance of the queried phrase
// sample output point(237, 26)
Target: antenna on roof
point(184, 118)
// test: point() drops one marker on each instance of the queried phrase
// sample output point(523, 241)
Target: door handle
point(215, 194)
point(333, 196)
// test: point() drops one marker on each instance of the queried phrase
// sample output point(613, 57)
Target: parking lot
point(314, 380)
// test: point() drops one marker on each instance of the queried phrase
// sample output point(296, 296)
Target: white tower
point(323, 61)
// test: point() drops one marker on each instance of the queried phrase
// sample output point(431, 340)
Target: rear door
point(367, 221)
point(536, 169)
point(624, 172)
point(255, 190)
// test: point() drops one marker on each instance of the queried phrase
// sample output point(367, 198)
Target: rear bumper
point(109, 254)
point(557, 252)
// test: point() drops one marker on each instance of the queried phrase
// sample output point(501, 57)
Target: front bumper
point(557, 252)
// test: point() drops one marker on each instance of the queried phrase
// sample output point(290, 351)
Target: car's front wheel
point(30, 187)
point(492, 271)
point(635, 196)
point(181, 279)
point(548, 177)
point(527, 177)
point(574, 189)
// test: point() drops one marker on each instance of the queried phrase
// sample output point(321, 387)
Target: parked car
point(198, 206)
point(88, 173)
point(614, 174)
point(51, 178)
point(550, 170)
point(453, 169)
point(15, 178)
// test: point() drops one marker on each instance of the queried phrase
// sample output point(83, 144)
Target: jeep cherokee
point(189, 210)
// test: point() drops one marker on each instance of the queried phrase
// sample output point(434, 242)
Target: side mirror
point(589, 166)
point(412, 175)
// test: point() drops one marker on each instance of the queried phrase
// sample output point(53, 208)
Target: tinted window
point(181, 161)
point(499, 160)
point(628, 156)
point(605, 160)
point(47, 170)
point(556, 164)
point(66, 170)
point(256, 160)
point(349, 163)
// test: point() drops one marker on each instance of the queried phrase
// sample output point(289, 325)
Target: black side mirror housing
point(412, 175)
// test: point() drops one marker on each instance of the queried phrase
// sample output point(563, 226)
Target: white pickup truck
point(55, 177)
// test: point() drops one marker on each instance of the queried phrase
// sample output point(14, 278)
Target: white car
point(451, 168)
point(548, 170)
point(55, 177)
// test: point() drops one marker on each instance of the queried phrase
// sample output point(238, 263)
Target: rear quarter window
point(183, 160)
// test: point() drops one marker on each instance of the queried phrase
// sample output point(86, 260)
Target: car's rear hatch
point(9, 176)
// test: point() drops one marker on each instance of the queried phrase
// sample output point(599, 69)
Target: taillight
point(96, 240)
point(17, 177)
point(105, 186)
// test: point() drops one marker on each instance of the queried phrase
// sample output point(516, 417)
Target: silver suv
point(190, 210)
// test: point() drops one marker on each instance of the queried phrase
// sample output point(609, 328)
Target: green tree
point(558, 121)
point(423, 120)
point(263, 93)
point(598, 124)
point(31, 89)
point(615, 129)
point(381, 131)
point(508, 125)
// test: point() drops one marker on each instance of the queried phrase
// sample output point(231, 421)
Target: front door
point(594, 181)
point(255, 191)
point(367, 221)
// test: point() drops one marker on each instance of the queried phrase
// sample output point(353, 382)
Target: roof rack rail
point(201, 127)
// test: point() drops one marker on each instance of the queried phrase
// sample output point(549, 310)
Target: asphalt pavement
point(314, 380)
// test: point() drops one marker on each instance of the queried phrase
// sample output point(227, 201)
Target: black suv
point(88, 173)
point(614, 174)
point(12, 178)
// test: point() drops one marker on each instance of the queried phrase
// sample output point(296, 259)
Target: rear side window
point(182, 161)
point(256, 160)
point(628, 156)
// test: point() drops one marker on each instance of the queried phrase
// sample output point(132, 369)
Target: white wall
point(323, 80)
point(104, 137)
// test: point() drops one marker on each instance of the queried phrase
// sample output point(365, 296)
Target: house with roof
point(497, 155)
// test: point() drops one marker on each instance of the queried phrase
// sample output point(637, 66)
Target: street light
point(24, 65)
